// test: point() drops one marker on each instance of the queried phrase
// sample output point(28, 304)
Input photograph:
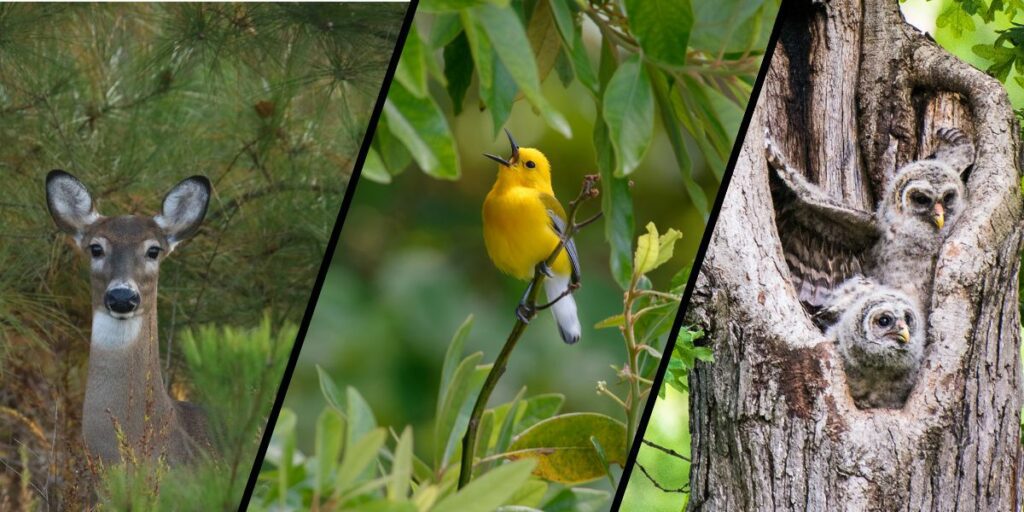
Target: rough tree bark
point(852, 94)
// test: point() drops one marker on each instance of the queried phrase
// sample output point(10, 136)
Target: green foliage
point(684, 358)
point(237, 410)
point(269, 101)
point(691, 64)
point(380, 470)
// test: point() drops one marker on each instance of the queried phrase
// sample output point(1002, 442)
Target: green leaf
point(444, 30)
point(455, 5)
point(581, 64)
point(646, 250)
point(563, 19)
point(579, 499)
point(563, 449)
point(391, 150)
point(284, 432)
point(373, 168)
point(628, 110)
point(529, 495)
point(452, 358)
point(728, 25)
point(329, 389)
point(545, 42)
point(612, 321)
point(538, 408)
point(451, 423)
point(458, 69)
point(412, 67)
point(330, 432)
point(675, 137)
point(359, 415)
point(504, 26)
point(422, 127)
point(358, 456)
point(617, 206)
point(500, 96)
point(480, 48)
point(662, 27)
point(401, 471)
point(667, 245)
point(490, 490)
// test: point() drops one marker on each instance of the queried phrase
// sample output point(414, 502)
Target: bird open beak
point(939, 215)
point(515, 152)
point(903, 333)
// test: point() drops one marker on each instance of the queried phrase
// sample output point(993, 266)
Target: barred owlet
point(826, 242)
point(879, 332)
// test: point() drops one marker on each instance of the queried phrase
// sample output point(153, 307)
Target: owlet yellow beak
point(939, 215)
point(904, 334)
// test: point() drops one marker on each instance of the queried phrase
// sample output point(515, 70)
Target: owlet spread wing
point(824, 241)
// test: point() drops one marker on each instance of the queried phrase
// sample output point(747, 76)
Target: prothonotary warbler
point(523, 223)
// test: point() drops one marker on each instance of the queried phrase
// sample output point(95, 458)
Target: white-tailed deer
point(126, 404)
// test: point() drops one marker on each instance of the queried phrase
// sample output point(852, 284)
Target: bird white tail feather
point(564, 310)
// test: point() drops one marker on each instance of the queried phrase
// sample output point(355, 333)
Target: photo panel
point(852, 339)
point(514, 256)
point(172, 174)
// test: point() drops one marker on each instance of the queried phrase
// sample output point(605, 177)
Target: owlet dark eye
point(96, 250)
point(948, 198)
point(153, 252)
point(530, 164)
point(920, 199)
point(885, 320)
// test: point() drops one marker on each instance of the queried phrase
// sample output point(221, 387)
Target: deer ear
point(184, 209)
point(70, 203)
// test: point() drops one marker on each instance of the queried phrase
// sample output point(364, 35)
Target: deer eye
point(885, 320)
point(530, 164)
point(153, 252)
point(96, 250)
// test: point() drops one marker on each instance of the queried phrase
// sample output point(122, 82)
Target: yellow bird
point(523, 223)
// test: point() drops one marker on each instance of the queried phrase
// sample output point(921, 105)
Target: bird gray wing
point(825, 242)
point(955, 148)
point(558, 224)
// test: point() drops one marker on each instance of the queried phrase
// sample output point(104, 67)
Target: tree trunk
point(852, 94)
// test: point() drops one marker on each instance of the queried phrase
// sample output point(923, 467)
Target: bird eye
point(885, 320)
point(920, 199)
point(909, 318)
point(96, 250)
point(948, 198)
point(153, 252)
point(530, 164)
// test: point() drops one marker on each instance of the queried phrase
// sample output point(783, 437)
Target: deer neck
point(125, 386)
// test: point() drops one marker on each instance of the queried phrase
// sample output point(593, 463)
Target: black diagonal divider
point(332, 244)
point(709, 230)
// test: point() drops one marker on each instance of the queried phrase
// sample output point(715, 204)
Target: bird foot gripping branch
point(527, 308)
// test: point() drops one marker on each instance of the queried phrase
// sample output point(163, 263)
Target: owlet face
point(929, 194)
point(885, 332)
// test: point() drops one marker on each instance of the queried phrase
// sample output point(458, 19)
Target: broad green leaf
point(480, 48)
point(444, 29)
point(452, 358)
point(455, 5)
point(563, 68)
point(579, 499)
point(675, 137)
point(359, 415)
point(500, 96)
point(727, 25)
point(401, 470)
point(662, 27)
point(666, 246)
point(490, 490)
point(563, 449)
point(330, 432)
point(545, 42)
point(504, 26)
point(486, 434)
point(617, 205)
point(384, 506)
point(412, 67)
point(581, 64)
point(612, 321)
point(458, 69)
point(329, 389)
point(530, 494)
point(508, 422)
point(391, 150)
point(453, 418)
point(358, 456)
point(422, 127)
point(373, 168)
point(647, 247)
point(628, 110)
point(538, 408)
point(563, 18)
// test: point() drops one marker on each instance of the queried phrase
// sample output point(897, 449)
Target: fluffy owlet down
point(826, 242)
point(880, 335)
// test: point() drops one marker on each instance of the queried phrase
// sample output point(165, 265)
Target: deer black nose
point(121, 300)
